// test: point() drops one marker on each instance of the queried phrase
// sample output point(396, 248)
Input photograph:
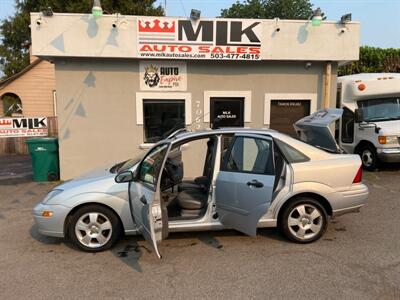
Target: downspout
point(327, 85)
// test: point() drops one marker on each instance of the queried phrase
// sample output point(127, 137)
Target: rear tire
point(369, 157)
point(94, 228)
point(304, 220)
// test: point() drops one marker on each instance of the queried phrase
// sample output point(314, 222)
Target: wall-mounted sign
point(289, 103)
point(20, 127)
point(204, 39)
point(163, 75)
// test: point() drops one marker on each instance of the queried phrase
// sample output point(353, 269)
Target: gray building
point(124, 82)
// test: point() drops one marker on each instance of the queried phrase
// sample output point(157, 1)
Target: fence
point(17, 145)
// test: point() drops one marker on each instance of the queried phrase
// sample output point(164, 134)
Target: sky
point(380, 19)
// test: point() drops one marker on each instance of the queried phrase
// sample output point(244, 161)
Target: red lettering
point(172, 48)
point(241, 50)
point(254, 50)
point(146, 48)
point(228, 50)
point(204, 49)
point(185, 49)
point(160, 48)
point(217, 50)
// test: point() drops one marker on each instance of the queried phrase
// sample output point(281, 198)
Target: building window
point(226, 112)
point(227, 103)
point(161, 118)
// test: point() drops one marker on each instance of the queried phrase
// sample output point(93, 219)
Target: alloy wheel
point(367, 158)
point(93, 229)
point(305, 221)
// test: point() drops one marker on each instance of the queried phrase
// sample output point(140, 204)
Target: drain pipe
point(327, 85)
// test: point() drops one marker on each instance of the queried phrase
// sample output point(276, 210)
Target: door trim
point(312, 97)
point(227, 94)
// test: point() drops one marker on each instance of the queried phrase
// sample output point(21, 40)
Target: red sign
point(204, 39)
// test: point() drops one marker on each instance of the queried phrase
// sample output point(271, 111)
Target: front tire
point(94, 228)
point(369, 157)
point(304, 220)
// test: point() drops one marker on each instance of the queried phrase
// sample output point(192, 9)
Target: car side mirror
point(125, 176)
point(358, 115)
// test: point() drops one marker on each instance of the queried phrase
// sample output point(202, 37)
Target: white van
point(370, 125)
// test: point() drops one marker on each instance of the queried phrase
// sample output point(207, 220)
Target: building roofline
point(7, 81)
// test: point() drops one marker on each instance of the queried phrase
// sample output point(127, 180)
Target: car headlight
point(51, 195)
point(387, 139)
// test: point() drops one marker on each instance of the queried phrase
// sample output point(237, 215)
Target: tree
point(15, 32)
point(269, 9)
point(373, 60)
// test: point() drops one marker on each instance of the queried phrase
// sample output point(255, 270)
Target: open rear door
point(314, 129)
point(245, 183)
point(144, 196)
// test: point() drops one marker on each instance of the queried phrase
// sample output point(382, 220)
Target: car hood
point(314, 129)
point(98, 174)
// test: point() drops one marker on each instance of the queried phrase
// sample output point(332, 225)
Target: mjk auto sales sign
point(202, 39)
point(22, 127)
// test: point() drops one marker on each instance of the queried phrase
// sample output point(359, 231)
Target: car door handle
point(143, 200)
point(255, 183)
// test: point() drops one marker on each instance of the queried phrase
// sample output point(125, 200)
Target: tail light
point(358, 177)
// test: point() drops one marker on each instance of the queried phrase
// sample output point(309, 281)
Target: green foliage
point(269, 9)
point(15, 32)
point(373, 60)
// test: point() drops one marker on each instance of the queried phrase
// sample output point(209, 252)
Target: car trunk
point(315, 129)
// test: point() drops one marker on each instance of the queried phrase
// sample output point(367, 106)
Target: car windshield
point(381, 109)
point(126, 165)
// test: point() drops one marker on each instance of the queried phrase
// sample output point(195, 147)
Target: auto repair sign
point(22, 127)
point(163, 76)
point(228, 39)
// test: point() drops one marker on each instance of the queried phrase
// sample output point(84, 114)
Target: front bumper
point(389, 154)
point(50, 226)
point(351, 200)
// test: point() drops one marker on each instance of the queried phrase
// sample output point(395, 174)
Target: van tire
point(369, 157)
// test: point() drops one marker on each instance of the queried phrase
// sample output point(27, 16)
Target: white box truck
point(370, 124)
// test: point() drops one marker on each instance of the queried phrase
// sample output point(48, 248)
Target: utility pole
point(165, 7)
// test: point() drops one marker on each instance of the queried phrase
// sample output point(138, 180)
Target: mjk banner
point(23, 127)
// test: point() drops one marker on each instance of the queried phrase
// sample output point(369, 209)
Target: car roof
point(310, 151)
point(209, 132)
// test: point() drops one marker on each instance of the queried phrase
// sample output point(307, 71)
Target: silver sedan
point(251, 178)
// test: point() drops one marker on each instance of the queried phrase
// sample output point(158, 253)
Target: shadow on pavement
point(129, 251)
point(15, 169)
point(34, 233)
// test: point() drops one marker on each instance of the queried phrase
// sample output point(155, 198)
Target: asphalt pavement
point(357, 258)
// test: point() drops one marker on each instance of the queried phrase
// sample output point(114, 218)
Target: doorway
point(284, 113)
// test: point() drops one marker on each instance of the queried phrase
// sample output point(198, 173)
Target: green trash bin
point(44, 154)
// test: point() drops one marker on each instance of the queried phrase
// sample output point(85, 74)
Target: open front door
point(144, 196)
point(245, 182)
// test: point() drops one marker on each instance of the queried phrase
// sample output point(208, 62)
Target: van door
point(245, 183)
point(145, 199)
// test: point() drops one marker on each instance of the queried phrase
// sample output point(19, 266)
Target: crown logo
point(151, 69)
point(157, 26)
